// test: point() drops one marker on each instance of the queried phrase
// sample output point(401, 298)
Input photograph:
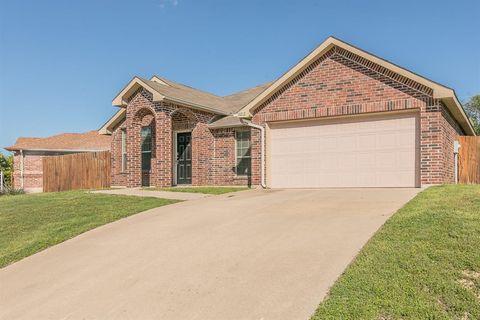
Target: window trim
point(244, 157)
point(143, 152)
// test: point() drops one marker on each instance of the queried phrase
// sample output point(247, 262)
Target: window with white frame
point(146, 136)
point(243, 153)
point(124, 150)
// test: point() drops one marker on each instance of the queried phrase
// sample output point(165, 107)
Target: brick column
point(163, 141)
point(202, 140)
point(134, 165)
point(431, 155)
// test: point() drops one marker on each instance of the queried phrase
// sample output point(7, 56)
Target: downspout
point(262, 142)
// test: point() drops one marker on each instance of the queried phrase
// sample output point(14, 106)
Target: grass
point(205, 190)
point(424, 263)
point(32, 222)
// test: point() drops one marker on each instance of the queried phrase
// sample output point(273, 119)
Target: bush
point(10, 191)
point(6, 165)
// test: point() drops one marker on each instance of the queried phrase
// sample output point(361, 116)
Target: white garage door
point(375, 151)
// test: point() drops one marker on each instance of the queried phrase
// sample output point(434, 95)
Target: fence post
point(1, 180)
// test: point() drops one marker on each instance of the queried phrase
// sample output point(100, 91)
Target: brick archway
point(143, 118)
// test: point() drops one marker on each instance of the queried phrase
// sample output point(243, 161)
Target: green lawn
point(32, 222)
point(206, 190)
point(424, 263)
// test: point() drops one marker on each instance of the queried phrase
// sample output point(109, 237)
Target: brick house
point(341, 117)
point(29, 152)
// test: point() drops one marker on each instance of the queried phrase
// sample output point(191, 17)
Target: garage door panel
point(366, 141)
point(366, 159)
point(371, 152)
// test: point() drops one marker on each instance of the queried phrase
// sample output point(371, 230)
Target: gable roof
point(167, 90)
point(111, 123)
point(443, 93)
point(88, 141)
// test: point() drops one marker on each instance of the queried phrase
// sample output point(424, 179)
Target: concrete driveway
point(260, 254)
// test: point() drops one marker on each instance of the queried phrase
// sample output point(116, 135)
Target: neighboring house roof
point(88, 141)
point(443, 93)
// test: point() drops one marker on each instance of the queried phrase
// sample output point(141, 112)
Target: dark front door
point(184, 158)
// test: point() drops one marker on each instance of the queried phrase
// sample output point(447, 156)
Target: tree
point(472, 108)
point(6, 165)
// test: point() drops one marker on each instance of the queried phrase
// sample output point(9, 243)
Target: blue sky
point(62, 61)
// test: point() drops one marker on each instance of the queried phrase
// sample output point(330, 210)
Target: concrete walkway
point(258, 254)
point(157, 194)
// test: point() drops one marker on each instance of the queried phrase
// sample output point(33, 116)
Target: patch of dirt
point(467, 283)
point(470, 274)
point(471, 281)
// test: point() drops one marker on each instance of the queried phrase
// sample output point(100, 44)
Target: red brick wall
point(222, 165)
point(119, 178)
point(450, 131)
point(16, 169)
point(32, 171)
point(213, 152)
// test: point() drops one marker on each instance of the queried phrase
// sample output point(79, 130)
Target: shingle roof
point(176, 92)
point(223, 105)
point(240, 99)
point(88, 141)
point(227, 122)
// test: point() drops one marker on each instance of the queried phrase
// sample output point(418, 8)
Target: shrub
point(6, 165)
point(11, 191)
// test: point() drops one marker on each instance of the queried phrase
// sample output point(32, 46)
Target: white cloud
point(164, 3)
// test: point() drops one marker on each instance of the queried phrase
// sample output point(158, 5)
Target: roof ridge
point(250, 88)
point(176, 92)
point(172, 82)
point(206, 92)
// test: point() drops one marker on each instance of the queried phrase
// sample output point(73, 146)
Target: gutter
point(262, 142)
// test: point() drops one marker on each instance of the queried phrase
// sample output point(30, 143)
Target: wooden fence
point(469, 160)
point(77, 171)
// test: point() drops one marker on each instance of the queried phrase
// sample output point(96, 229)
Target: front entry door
point(184, 158)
